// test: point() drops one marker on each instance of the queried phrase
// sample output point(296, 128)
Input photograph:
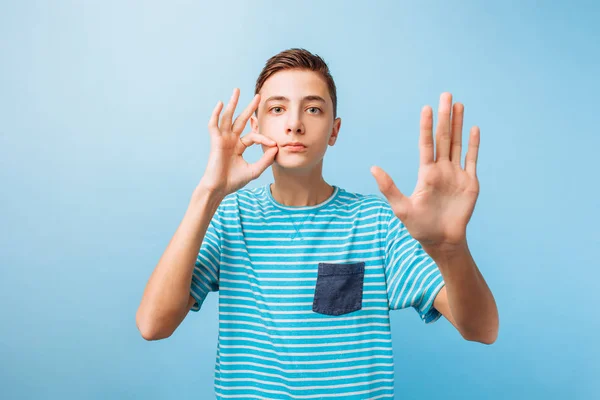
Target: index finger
point(240, 122)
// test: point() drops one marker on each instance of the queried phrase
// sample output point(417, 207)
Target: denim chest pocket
point(339, 288)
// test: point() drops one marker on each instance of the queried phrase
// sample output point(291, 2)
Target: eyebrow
point(305, 98)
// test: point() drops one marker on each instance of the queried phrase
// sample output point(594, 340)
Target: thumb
point(397, 200)
point(265, 161)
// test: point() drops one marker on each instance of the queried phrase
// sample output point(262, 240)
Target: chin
point(293, 163)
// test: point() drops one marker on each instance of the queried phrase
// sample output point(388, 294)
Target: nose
point(295, 125)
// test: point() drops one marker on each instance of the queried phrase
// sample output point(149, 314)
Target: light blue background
point(103, 112)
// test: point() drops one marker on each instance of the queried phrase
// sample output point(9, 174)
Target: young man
point(307, 272)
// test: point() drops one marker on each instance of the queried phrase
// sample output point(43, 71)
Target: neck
point(296, 189)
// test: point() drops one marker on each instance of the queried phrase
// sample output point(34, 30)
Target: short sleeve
point(413, 278)
point(205, 277)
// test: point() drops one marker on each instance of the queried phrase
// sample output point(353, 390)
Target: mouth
point(295, 146)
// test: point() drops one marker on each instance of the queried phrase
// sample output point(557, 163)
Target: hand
point(437, 212)
point(227, 171)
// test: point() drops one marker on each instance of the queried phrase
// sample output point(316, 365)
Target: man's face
point(295, 106)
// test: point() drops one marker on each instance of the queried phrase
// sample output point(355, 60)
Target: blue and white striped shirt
point(305, 294)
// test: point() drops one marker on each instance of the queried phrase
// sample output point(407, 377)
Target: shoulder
point(228, 202)
point(369, 209)
point(366, 201)
point(249, 195)
point(245, 200)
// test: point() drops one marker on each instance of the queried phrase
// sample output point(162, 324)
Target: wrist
point(205, 194)
point(447, 250)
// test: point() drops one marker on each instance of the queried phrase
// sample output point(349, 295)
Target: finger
point(457, 125)
point(472, 152)
point(225, 125)
point(426, 137)
point(265, 161)
point(442, 133)
point(254, 138)
point(240, 122)
point(397, 200)
point(213, 125)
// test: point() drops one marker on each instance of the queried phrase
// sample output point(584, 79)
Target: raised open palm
point(442, 203)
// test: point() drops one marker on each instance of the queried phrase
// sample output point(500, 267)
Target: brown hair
point(298, 59)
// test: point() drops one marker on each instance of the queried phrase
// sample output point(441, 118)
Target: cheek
point(269, 130)
point(276, 134)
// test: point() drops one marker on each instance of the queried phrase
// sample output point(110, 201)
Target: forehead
point(294, 84)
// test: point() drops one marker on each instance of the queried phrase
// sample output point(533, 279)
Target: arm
point(437, 214)
point(466, 301)
point(166, 299)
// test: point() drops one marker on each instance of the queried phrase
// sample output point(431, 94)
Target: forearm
point(471, 302)
point(164, 302)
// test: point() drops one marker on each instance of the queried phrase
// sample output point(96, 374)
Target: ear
point(337, 124)
point(254, 123)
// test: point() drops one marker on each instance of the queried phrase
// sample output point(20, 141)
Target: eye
point(315, 108)
point(274, 108)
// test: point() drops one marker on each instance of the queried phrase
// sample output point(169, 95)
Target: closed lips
point(294, 144)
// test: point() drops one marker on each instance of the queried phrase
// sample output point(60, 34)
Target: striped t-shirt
point(305, 294)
